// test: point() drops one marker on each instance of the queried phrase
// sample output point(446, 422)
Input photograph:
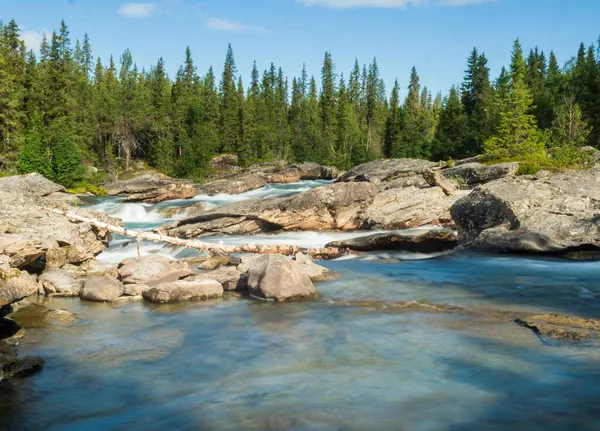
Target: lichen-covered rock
point(478, 173)
point(60, 282)
point(134, 289)
point(57, 257)
point(183, 291)
point(16, 285)
point(102, 289)
point(97, 268)
point(276, 277)
point(559, 213)
point(152, 270)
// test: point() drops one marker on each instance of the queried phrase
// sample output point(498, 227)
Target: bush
point(85, 187)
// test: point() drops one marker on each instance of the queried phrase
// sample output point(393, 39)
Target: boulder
point(230, 278)
point(478, 173)
point(315, 272)
point(152, 270)
point(22, 252)
point(60, 282)
point(436, 178)
point(303, 171)
point(102, 289)
point(214, 263)
point(184, 211)
point(4, 262)
point(16, 285)
point(134, 289)
point(414, 241)
point(97, 268)
point(231, 186)
point(559, 213)
point(31, 184)
point(165, 193)
point(23, 367)
point(183, 291)
point(387, 170)
point(276, 277)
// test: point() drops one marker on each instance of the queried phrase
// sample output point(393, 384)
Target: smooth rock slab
point(102, 289)
point(184, 291)
point(152, 270)
point(274, 277)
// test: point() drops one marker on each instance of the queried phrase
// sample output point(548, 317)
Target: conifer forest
point(63, 110)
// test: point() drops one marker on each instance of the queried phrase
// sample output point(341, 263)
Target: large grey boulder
point(315, 272)
point(415, 241)
point(183, 291)
point(557, 214)
point(60, 282)
point(102, 289)
point(387, 170)
point(152, 270)
point(276, 277)
point(478, 173)
point(16, 285)
point(230, 277)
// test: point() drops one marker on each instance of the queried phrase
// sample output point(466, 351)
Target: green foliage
point(66, 158)
point(34, 155)
point(85, 187)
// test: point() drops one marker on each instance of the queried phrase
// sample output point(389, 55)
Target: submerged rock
point(416, 241)
point(276, 277)
point(16, 285)
point(165, 193)
point(563, 328)
point(315, 272)
point(559, 213)
point(184, 291)
point(152, 270)
point(102, 289)
point(60, 282)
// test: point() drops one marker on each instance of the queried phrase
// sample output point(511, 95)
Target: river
point(400, 342)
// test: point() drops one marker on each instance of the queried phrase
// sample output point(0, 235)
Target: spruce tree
point(327, 107)
point(517, 136)
point(228, 108)
point(34, 155)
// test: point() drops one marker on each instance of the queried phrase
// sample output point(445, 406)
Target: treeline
point(63, 110)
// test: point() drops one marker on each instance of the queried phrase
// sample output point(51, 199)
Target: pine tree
point(327, 108)
point(34, 155)
point(229, 109)
point(163, 151)
point(452, 129)
point(393, 126)
point(517, 136)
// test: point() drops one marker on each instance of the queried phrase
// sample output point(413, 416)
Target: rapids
point(400, 342)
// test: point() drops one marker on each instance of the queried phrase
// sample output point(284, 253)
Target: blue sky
point(434, 35)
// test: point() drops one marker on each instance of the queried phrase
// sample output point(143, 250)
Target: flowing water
point(400, 342)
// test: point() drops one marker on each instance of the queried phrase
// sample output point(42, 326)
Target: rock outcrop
point(414, 241)
point(233, 186)
point(387, 170)
point(274, 277)
point(183, 291)
point(478, 173)
point(144, 183)
point(61, 282)
point(165, 193)
point(555, 214)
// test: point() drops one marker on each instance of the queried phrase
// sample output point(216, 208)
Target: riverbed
point(400, 342)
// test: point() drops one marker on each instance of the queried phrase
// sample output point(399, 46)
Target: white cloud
point(226, 25)
point(355, 4)
point(33, 38)
point(137, 10)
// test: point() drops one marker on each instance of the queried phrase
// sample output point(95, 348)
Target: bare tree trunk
point(289, 250)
